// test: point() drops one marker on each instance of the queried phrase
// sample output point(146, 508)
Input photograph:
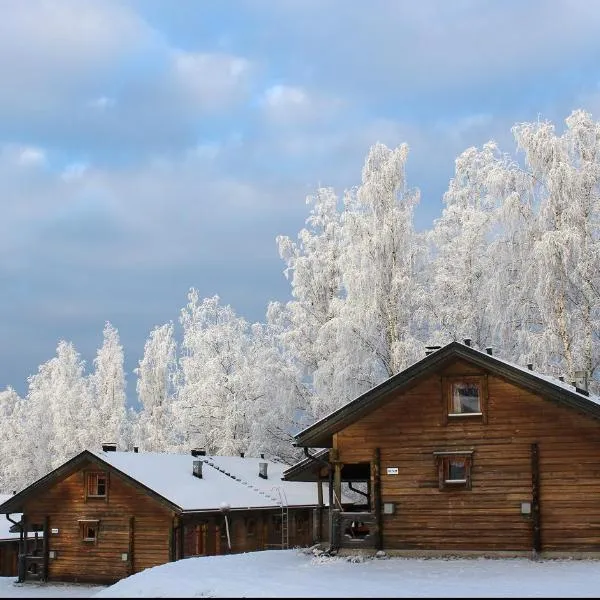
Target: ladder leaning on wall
point(285, 517)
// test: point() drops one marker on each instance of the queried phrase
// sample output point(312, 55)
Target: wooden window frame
point(444, 459)
point(84, 528)
point(448, 387)
point(92, 482)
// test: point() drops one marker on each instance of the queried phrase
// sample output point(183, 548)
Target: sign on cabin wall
point(392, 470)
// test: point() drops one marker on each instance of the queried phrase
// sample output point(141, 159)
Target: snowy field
point(293, 574)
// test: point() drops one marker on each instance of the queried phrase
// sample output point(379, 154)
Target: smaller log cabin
point(9, 542)
point(102, 516)
point(463, 453)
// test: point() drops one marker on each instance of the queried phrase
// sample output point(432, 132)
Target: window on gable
point(465, 396)
point(96, 485)
point(454, 469)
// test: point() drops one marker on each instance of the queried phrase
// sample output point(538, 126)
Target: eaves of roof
point(320, 434)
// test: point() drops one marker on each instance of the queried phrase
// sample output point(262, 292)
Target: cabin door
point(195, 539)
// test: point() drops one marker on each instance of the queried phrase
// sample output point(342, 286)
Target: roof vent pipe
point(561, 377)
point(135, 449)
point(489, 350)
point(241, 454)
point(262, 469)
point(262, 454)
point(197, 469)
point(198, 452)
point(467, 341)
point(530, 366)
point(109, 447)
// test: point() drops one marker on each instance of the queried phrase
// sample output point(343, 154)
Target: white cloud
point(102, 103)
point(74, 171)
point(210, 79)
point(51, 48)
point(31, 157)
point(295, 104)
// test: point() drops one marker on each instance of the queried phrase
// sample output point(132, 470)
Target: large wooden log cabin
point(463, 453)
point(102, 516)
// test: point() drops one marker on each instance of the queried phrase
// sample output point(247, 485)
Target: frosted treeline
point(513, 262)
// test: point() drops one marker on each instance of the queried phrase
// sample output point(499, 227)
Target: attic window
point(96, 485)
point(465, 396)
point(454, 469)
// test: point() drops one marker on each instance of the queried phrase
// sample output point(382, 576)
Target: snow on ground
point(294, 574)
point(10, 589)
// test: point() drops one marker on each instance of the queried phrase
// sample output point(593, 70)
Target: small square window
point(96, 485)
point(454, 470)
point(89, 530)
point(465, 396)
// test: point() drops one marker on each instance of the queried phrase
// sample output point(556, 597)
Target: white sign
point(54, 530)
point(392, 470)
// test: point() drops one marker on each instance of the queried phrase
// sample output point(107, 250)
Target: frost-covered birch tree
point(155, 426)
point(218, 377)
point(108, 390)
point(462, 266)
point(13, 431)
point(565, 179)
point(374, 333)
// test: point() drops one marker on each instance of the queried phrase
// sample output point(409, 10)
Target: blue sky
point(150, 146)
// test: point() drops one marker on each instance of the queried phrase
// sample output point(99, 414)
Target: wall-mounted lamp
point(525, 508)
point(389, 508)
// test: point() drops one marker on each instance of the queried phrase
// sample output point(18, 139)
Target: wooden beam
point(45, 548)
point(377, 498)
point(130, 549)
point(535, 500)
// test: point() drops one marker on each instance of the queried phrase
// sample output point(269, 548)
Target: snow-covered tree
point(108, 390)
point(155, 427)
point(374, 333)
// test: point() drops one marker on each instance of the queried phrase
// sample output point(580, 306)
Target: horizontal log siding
point(64, 503)
point(411, 427)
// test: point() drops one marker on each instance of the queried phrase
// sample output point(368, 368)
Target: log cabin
point(463, 453)
point(9, 542)
point(102, 516)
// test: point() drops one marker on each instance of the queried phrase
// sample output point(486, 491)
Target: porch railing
point(354, 529)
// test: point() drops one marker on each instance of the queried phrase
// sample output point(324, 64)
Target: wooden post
point(45, 548)
point(337, 477)
point(377, 498)
point(181, 540)
point(319, 511)
point(535, 500)
point(172, 556)
point(130, 549)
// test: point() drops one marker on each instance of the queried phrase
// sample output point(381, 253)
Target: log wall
point(414, 425)
point(133, 530)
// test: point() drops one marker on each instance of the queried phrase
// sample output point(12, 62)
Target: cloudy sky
point(150, 146)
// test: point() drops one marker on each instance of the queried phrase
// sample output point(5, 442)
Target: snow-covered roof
point(5, 524)
point(319, 434)
point(226, 480)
